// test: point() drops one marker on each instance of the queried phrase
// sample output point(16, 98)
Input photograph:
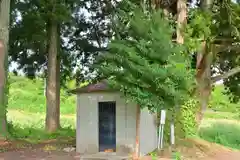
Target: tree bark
point(4, 37)
point(181, 20)
point(58, 91)
point(58, 73)
point(53, 88)
point(203, 75)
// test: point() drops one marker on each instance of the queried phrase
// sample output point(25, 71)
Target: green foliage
point(226, 134)
point(227, 27)
point(176, 156)
point(188, 117)
point(220, 28)
point(28, 95)
point(199, 27)
point(78, 35)
point(29, 34)
point(184, 121)
point(219, 101)
point(154, 155)
point(144, 63)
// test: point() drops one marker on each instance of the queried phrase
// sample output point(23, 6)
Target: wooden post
point(137, 146)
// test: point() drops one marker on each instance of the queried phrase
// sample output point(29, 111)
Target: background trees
point(54, 37)
point(217, 36)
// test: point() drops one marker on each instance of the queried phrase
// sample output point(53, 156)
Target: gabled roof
point(97, 87)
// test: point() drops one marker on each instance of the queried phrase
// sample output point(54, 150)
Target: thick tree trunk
point(53, 109)
point(203, 77)
point(4, 36)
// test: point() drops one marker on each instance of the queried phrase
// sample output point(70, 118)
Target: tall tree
point(4, 36)
point(50, 29)
point(133, 65)
point(53, 69)
point(207, 22)
point(203, 65)
point(35, 46)
point(216, 28)
point(144, 64)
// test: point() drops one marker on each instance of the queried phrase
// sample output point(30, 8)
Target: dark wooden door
point(107, 125)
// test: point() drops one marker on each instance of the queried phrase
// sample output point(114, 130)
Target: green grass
point(220, 101)
point(26, 111)
point(222, 125)
point(30, 126)
point(223, 133)
point(222, 128)
point(28, 95)
point(222, 115)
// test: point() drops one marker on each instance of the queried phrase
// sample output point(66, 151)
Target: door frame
point(115, 116)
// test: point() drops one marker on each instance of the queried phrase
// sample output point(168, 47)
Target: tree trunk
point(181, 20)
point(4, 37)
point(58, 88)
point(203, 77)
point(53, 109)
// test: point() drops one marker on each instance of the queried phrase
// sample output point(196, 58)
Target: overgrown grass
point(30, 126)
point(28, 95)
point(222, 115)
point(222, 128)
point(26, 111)
point(223, 133)
point(220, 101)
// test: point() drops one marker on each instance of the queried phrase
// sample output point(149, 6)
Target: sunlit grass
point(28, 95)
point(222, 128)
point(222, 115)
point(30, 126)
point(223, 133)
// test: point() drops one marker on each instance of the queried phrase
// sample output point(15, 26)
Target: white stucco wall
point(87, 124)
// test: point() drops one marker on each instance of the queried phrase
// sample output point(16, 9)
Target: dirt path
point(37, 154)
point(227, 156)
point(53, 150)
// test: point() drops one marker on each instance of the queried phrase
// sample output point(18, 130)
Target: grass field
point(28, 95)
point(30, 126)
point(222, 129)
point(26, 113)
